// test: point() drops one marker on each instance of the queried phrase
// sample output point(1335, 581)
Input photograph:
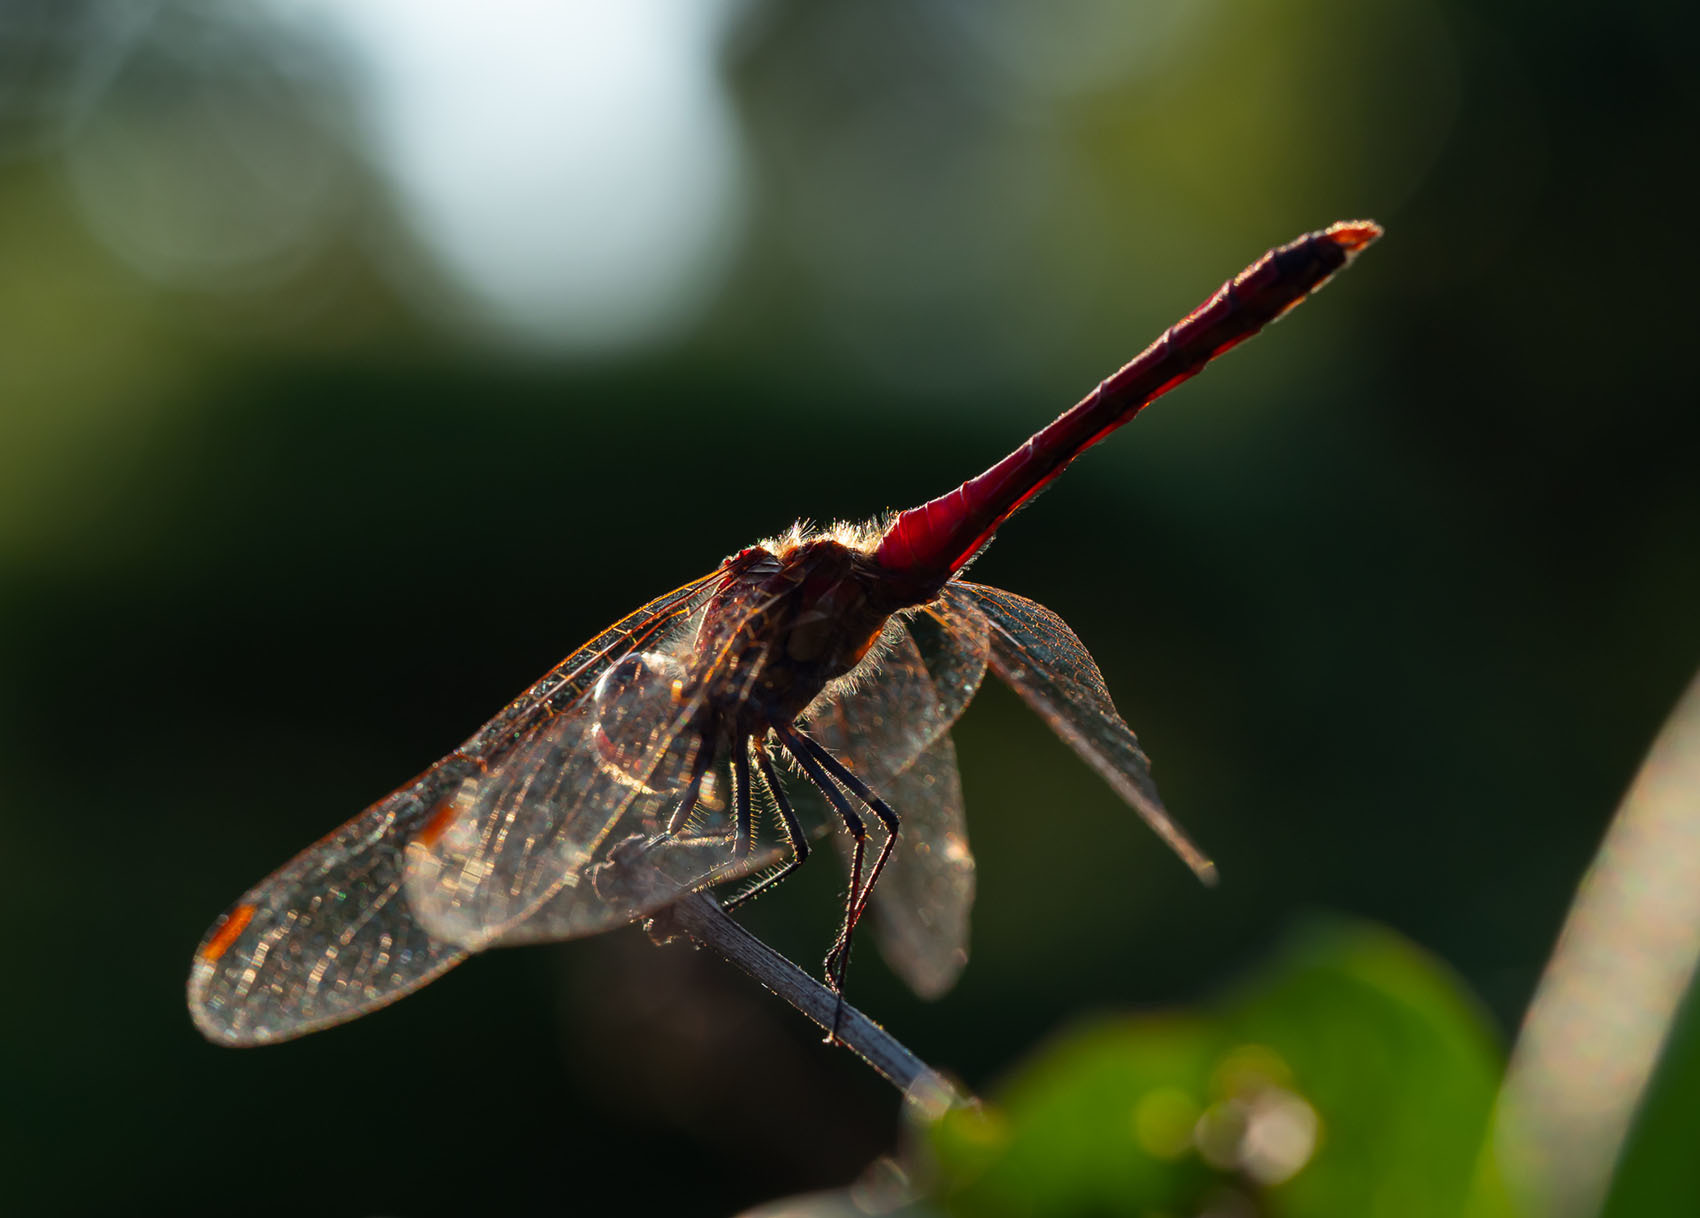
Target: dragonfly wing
point(571, 831)
point(954, 639)
point(326, 937)
point(636, 870)
point(922, 903)
point(905, 694)
point(332, 933)
point(508, 838)
point(891, 728)
point(1036, 653)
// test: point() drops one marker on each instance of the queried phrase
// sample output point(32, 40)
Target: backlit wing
point(1039, 656)
point(590, 842)
point(923, 900)
point(331, 935)
point(557, 843)
point(890, 726)
point(635, 872)
point(905, 694)
point(566, 835)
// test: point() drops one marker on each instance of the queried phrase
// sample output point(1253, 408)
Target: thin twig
point(700, 917)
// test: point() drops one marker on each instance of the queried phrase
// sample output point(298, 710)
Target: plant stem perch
point(698, 916)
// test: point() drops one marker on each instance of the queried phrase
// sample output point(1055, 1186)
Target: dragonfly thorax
point(781, 627)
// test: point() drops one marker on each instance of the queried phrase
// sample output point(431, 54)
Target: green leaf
point(1351, 1076)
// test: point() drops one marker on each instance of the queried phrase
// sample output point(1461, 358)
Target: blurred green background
point(357, 361)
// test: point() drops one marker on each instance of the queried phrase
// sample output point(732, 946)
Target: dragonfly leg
point(675, 833)
point(837, 957)
point(888, 817)
point(794, 835)
point(743, 840)
point(822, 769)
point(687, 805)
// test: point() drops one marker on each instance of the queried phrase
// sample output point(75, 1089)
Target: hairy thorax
point(787, 621)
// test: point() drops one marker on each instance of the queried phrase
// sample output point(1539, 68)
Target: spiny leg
point(687, 806)
point(858, 832)
point(799, 746)
point(743, 840)
point(858, 788)
point(794, 835)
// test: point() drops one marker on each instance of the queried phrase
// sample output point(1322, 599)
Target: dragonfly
point(804, 688)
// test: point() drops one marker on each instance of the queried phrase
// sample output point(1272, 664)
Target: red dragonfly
point(647, 764)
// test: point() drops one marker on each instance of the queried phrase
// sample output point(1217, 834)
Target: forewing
point(636, 872)
point(567, 836)
point(558, 843)
point(1039, 656)
point(325, 938)
point(509, 837)
point(906, 693)
point(331, 935)
point(923, 899)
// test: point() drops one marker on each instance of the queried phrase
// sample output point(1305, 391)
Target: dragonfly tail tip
point(1353, 236)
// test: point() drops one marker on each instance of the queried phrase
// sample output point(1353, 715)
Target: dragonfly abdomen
point(1273, 285)
point(930, 543)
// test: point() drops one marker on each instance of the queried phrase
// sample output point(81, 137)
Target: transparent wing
point(1039, 656)
point(905, 694)
point(922, 903)
point(636, 872)
point(890, 725)
point(331, 935)
point(568, 834)
point(325, 938)
point(510, 837)
point(558, 843)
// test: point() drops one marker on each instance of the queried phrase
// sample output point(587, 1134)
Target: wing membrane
point(923, 900)
point(331, 935)
point(1036, 653)
point(917, 684)
point(323, 939)
point(892, 730)
point(568, 834)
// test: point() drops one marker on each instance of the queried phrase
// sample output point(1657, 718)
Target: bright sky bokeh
point(575, 166)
